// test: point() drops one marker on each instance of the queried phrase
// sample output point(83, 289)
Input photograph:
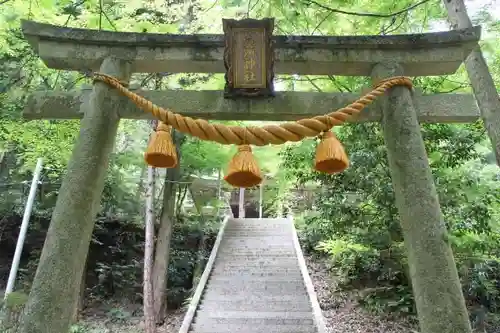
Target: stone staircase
point(255, 281)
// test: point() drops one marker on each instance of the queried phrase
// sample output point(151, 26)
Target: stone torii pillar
point(434, 277)
point(57, 280)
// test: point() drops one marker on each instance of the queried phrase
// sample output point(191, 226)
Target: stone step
point(295, 298)
point(253, 235)
point(293, 274)
point(237, 248)
point(256, 315)
point(211, 306)
point(271, 294)
point(272, 228)
point(284, 263)
point(257, 258)
point(269, 226)
point(276, 224)
point(253, 329)
point(247, 268)
point(255, 255)
point(215, 281)
point(204, 328)
point(274, 293)
point(269, 231)
point(253, 246)
point(210, 296)
point(240, 251)
point(256, 249)
point(253, 321)
point(259, 221)
point(254, 287)
point(262, 256)
point(256, 279)
point(260, 262)
point(252, 270)
point(257, 241)
point(289, 287)
point(237, 255)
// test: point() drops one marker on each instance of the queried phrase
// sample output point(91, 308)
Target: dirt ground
point(341, 313)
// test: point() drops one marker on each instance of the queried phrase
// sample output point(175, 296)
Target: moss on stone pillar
point(436, 286)
point(58, 277)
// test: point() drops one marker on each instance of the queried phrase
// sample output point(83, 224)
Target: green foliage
point(352, 261)
point(355, 223)
point(396, 299)
point(14, 301)
point(11, 309)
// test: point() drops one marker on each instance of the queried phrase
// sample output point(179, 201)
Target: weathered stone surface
point(258, 293)
point(483, 86)
point(286, 106)
point(51, 303)
point(436, 286)
point(419, 54)
point(232, 328)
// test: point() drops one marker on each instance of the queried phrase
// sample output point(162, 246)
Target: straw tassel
point(330, 155)
point(161, 151)
point(243, 170)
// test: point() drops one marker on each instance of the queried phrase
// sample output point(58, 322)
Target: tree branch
point(313, 84)
point(366, 14)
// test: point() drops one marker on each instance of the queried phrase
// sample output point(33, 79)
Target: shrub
point(352, 262)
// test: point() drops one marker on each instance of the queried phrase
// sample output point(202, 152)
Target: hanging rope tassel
point(161, 152)
point(243, 170)
point(330, 155)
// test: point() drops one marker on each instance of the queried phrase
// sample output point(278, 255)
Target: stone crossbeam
point(286, 106)
point(437, 53)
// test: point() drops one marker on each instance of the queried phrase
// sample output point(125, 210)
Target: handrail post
point(24, 228)
point(241, 204)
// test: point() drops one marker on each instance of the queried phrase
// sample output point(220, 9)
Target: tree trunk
point(181, 196)
point(148, 255)
point(200, 259)
point(7, 162)
point(479, 76)
point(80, 298)
point(162, 253)
point(140, 186)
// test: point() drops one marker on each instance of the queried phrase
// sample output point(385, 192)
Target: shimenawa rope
point(253, 135)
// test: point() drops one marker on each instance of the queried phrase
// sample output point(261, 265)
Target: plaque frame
point(234, 88)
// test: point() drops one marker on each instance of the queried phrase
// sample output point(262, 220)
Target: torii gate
point(440, 303)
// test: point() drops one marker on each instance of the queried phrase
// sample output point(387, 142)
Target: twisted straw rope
point(258, 136)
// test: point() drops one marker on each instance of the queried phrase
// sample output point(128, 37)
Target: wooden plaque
point(248, 58)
